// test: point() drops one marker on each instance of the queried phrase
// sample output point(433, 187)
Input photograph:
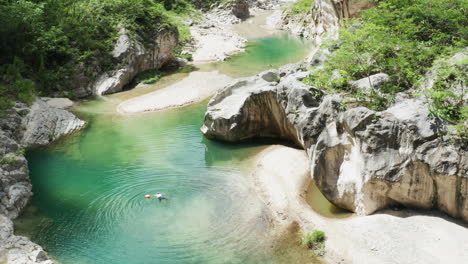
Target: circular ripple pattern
point(89, 189)
point(95, 188)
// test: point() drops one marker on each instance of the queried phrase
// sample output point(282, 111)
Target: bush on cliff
point(301, 7)
point(51, 42)
point(398, 37)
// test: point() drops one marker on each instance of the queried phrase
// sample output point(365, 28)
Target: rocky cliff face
point(241, 9)
point(19, 249)
point(361, 160)
point(323, 18)
point(21, 128)
point(132, 58)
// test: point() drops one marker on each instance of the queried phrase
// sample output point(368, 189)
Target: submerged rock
point(361, 160)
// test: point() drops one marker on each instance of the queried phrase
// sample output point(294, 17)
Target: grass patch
point(301, 7)
point(149, 77)
point(400, 38)
point(315, 241)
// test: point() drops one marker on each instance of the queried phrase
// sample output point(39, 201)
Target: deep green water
point(89, 204)
point(263, 54)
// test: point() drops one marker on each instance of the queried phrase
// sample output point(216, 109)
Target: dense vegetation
point(315, 241)
point(45, 43)
point(301, 7)
point(403, 39)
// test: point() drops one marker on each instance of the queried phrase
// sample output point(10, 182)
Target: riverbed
point(89, 204)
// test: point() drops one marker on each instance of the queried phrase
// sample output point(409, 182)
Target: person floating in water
point(160, 196)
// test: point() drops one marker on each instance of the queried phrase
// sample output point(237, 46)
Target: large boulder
point(238, 111)
point(46, 123)
point(240, 9)
point(373, 82)
point(360, 159)
point(367, 160)
point(133, 57)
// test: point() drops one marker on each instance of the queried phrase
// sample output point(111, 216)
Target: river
point(89, 188)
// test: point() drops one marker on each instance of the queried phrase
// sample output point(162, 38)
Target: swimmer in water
point(160, 196)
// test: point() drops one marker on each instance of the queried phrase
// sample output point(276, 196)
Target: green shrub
point(6, 101)
point(7, 160)
point(301, 7)
point(20, 152)
point(50, 42)
point(25, 90)
point(445, 104)
point(149, 77)
point(315, 241)
point(398, 37)
point(446, 97)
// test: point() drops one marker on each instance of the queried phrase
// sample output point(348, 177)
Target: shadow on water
point(321, 205)
point(237, 151)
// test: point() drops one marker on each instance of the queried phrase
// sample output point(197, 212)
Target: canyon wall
point(24, 127)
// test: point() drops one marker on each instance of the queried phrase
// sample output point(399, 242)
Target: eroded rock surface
point(19, 249)
point(45, 123)
point(21, 128)
point(135, 58)
point(361, 160)
point(323, 18)
point(241, 9)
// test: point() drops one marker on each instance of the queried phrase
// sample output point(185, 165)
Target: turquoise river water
point(89, 206)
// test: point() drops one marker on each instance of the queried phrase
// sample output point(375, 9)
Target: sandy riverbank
point(215, 39)
point(207, 40)
point(195, 88)
point(406, 236)
point(220, 34)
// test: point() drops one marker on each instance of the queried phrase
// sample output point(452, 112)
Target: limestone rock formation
point(19, 249)
point(375, 81)
point(44, 124)
point(361, 160)
point(241, 9)
point(134, 58)
point(24, 127)
point(232, 119)
point(324, 17)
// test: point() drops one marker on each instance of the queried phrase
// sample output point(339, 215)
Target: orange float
point(147, 196)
